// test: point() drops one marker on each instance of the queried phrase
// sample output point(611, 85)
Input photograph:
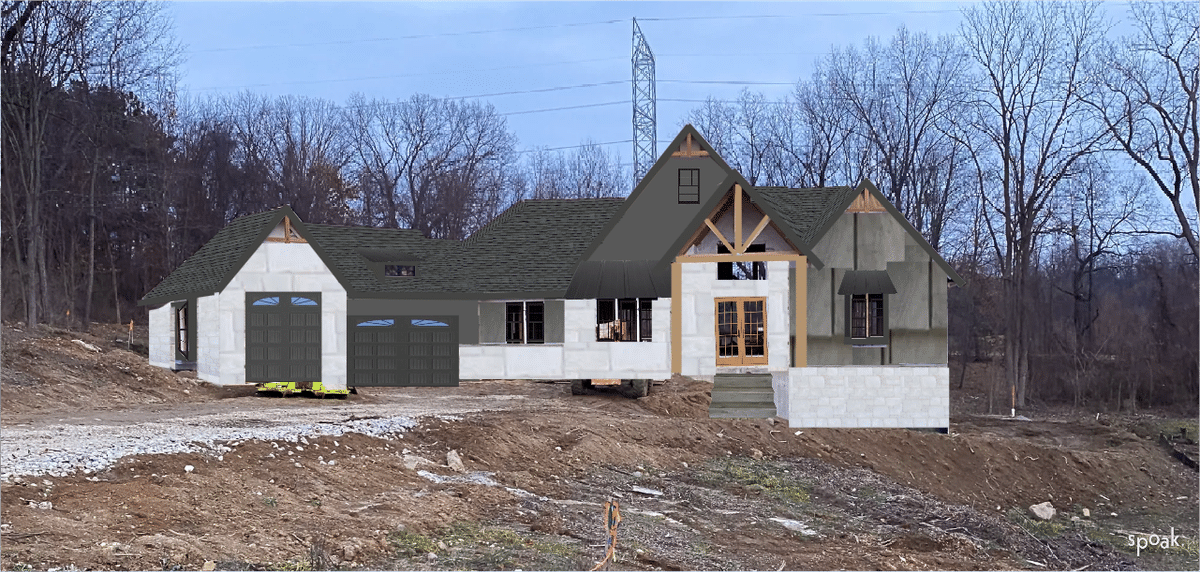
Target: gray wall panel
point(656, 219)
point(466, 310)
point(872, 237)
point(828, 351)
point(555, 321)
point(491, 323)
point(836, 248)
point(909, 306)
point(939, 298)
point(868, 356)
point(918, 347)
point(819, 314)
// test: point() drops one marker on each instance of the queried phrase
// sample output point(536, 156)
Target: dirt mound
point(725, 494)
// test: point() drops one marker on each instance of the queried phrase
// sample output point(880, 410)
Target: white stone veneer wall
point(208, 337)
point(892, 396)
point(283, 267)
point(162, 340)
point(700, 289)
point(580, 356)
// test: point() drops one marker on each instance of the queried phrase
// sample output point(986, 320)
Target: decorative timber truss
point(289, 234)
point(738, 253)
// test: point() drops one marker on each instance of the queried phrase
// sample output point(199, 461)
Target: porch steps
point(742, 396)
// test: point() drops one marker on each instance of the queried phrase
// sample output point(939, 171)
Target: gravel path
point(67, 446)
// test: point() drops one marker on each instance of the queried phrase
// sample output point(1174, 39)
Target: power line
point(395, 38)
point(724, 82)
point(568, 107)
point(542, 90)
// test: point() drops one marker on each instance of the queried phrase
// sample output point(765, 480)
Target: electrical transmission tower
point(645, 127)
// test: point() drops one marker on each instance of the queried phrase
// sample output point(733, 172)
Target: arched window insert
point(267, 301)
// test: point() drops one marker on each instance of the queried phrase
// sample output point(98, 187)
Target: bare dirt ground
point(695, 493)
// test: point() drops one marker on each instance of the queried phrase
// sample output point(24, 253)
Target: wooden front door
point(741, 331)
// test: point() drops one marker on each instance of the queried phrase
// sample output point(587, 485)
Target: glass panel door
point(728, 352)
point(741, 331)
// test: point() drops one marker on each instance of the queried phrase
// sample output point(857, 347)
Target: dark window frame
point(525, 322)
point(183, 342)
point(689, 186)
point(624, 320)
point(866, 319)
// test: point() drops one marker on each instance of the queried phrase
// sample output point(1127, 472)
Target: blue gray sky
point(528, 57)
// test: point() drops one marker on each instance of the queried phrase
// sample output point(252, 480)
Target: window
point(377, 323)
point(267, 301)
point(524, 322)
point(742, 270)
point(399, 270)
point(866, 316)
point(181, 330)
point(624, 320)
point(301, 301)
point(689, 186)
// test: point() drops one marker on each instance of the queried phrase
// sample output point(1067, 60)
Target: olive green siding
point(554, 321)
point(491, 322)
point(467, 312)
point(654, 220)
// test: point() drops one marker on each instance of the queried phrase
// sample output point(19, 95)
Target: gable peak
point(690, 147)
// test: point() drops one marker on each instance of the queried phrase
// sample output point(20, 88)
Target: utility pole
point(645, 126)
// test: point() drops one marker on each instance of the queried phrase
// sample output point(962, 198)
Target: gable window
point(689, 186)
point(624, 320)
point(399, 270)
point(525, 322)
point(742, 270)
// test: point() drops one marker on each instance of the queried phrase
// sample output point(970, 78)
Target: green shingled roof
point(534, 247)
point(806, 211)
point(211, 267)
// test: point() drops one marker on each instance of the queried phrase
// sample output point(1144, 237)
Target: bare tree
point(421, 156)
point(1027, 109)
point(1145, 93)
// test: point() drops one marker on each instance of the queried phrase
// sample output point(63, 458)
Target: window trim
point(693, 188)
point(636, 325)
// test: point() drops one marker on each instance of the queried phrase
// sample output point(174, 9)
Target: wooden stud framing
point(676, 317)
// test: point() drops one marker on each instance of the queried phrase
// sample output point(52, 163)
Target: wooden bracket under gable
point(741, 242)
point(865, 202)
point(289, 234)
point(690, 148)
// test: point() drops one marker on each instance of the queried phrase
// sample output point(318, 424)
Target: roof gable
point(843, 202)
point(686, 146)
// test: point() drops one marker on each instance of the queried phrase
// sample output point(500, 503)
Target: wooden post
point(676, 317)
point(737, 218)
point(801, 348)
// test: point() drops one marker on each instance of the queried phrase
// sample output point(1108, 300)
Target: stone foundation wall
point(890, 396)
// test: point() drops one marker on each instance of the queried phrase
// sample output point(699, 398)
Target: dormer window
point(399, 270)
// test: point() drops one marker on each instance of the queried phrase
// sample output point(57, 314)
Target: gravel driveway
point(95, 441)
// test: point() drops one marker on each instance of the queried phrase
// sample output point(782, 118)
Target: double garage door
point(403, 351)
point(283, 343)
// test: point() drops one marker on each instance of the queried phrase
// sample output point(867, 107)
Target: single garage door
point(283, 336)
point(403, 351)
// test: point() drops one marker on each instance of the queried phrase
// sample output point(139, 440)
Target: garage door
point(403, 351)
point(283, 336)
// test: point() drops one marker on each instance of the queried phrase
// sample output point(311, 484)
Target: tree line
point(1050, 159)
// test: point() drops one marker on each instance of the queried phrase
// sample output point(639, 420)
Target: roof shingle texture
point(204, 272)
point(806, 211)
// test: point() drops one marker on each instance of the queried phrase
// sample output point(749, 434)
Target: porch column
point(801, 347)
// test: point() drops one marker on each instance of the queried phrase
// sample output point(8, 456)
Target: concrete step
point(742, 396)
point(742, 413)
point(720, 382)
